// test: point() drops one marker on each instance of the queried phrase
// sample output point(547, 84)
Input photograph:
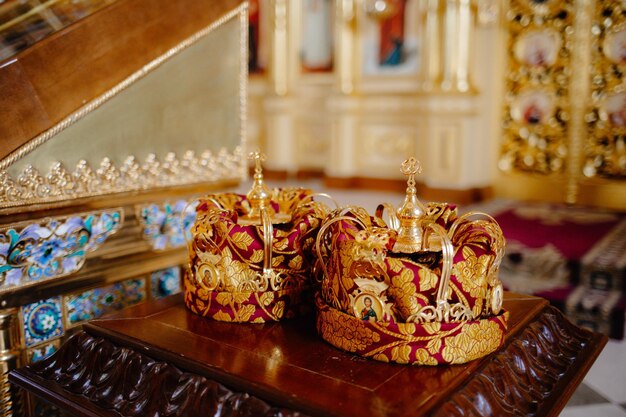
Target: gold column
point(579, 88)
point(465, 35)
point(346, 45)
point(457, 38)
point(432, 47)
point(10, 397)
point(280, 48)
point(450, 46)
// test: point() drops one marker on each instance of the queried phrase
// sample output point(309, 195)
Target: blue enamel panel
point(42, 351)
point(165, 282)
point(53, 247)
point(96, 302)
point(42, 321)
point(165, 225)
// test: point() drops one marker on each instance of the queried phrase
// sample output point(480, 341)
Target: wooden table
point(159, 358)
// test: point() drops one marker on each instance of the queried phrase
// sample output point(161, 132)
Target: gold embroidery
point(242, 240)
point(278, 309)
point(257, 256)
point(474, 341)
point(434, 345)
point(406, 328)
point(381, 357)
point(222, 316)
point(404, 293)
point(245, 312)
point(338, 331)
point(296, 262)
point(267, 298)
point(428, 279)
point(422, 357)
point(472, 275)
point(400, 354)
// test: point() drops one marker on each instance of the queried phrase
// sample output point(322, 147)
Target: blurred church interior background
point(516, 108)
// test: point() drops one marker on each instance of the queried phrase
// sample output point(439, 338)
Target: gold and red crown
point(249, 256)
point(422, 290)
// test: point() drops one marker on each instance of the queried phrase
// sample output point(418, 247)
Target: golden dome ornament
point(260, 196)
point(411, 214)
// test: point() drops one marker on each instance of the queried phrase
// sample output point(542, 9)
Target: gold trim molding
point(31, 187)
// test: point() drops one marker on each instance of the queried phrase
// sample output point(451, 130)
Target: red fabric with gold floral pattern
point(412, 279)
point(250, 307)
point(411, 343)
point(235, 253)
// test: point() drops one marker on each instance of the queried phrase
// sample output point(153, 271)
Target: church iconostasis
point(390, 44)
point(389, 36)
point(317, 36)
point(352, 85)
point(605, 151)
point(536, 104)
point(258, 35)
point(565, 103)
point(310, 32)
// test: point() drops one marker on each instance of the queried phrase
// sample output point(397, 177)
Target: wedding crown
point(423, 289)
point(249, 255)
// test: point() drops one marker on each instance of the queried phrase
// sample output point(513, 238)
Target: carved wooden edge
point(533, 375)
point(89, 375)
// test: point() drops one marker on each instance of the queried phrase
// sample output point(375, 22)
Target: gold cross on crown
point(257, 157)
point(410, 168)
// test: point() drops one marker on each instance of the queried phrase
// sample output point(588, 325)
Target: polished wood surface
point(287, 365)
point(53, 78)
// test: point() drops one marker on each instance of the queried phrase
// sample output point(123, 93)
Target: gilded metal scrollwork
point(536, 114)
point(605, 149)
point(60, 183)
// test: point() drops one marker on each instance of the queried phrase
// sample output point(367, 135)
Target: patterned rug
point(573, 256)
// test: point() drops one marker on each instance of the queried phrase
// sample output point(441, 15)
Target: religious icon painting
point(258, 35)
point(533, 107)
point(368, 307)
point(390, 41)
point(614, 47)
point(316, 47)
point(614, 110)
point(538, 48)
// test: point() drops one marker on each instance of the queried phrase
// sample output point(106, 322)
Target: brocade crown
point(402, 292)
point(250, 255)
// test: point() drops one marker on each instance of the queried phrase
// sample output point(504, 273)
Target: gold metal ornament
point(412, 212)
point(260, 196)
point(537, 112)
point(59, 183)
point(497, 297)
point(604, 149)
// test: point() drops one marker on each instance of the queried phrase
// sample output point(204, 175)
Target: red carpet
point(575, 257)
